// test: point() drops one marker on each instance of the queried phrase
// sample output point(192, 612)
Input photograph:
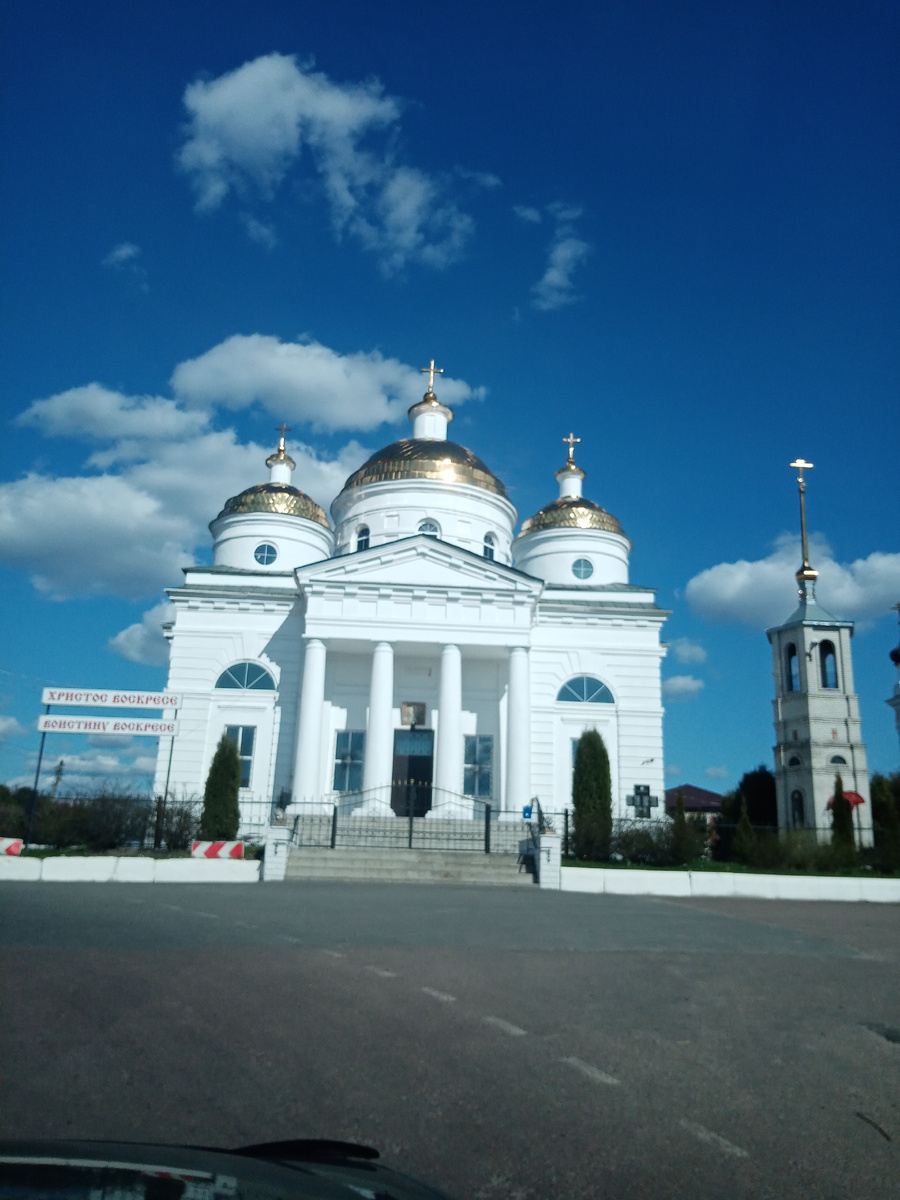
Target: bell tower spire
point(806, 576)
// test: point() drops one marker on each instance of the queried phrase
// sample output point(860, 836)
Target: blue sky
point(670, 228)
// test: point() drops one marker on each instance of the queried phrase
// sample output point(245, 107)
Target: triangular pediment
point(418, 561)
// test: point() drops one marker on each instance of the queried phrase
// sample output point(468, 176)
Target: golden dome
point(275, 498)
point(425, 458)
point(572, 512)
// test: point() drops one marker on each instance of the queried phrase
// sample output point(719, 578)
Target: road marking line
point(174, 907)
point(334, 954)
point(713, 1139)
point(286, 937)
point(593, 1073)
point(444, 996)
point(499, 1023)
point(244, 925)
point(382, 972)
point(212, 916)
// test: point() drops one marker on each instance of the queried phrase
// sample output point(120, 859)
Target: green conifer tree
point(682, 837)
point(592, 798)
point(744, 844)
point(842, 840)
point(886, 822)
point(221, 812)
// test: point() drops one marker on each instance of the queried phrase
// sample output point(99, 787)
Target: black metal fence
point(458, 823)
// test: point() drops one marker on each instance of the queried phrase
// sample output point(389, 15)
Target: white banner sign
point(109, 698)
point(125, 726)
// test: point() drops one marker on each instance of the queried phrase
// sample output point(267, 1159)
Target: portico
point(468, 704)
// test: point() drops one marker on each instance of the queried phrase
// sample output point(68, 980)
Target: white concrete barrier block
point(135, 870)
point(754, 887)
point(712, 883)
point(549, 861)
point(582, 879)
point(28, 870)
point(840, 888)
point(74, 869)
point(278, 849)
point(206, 870)
point(798, 887)
point(880, 891)
point(647, 883)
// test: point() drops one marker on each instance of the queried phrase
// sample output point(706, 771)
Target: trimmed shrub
point(843, 842)
point(221, 817)
point(743, 846)
point(592, 798)
point(886, 822)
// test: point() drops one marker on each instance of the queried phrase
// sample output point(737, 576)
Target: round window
point(582, 569)
point(429, 529)
point(265, 554)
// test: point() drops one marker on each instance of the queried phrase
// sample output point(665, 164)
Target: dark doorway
point(413, 772)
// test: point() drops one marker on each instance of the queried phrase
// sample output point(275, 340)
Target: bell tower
point(817, 726)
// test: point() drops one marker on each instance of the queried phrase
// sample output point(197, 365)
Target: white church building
point(416, 655)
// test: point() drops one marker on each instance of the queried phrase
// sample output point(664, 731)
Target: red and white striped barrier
point(217, 849)
point(10, 845)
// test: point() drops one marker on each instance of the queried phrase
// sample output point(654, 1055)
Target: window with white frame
point(243, 737)
point(478, 766)
point(349, 752)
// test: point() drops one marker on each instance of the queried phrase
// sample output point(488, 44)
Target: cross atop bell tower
point(806, 576)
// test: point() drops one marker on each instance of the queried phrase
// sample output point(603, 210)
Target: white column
point(379, 757)
point(307, 764)
point(518, 731)
point(449, 766)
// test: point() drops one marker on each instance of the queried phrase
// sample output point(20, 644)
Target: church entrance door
point(413, 772)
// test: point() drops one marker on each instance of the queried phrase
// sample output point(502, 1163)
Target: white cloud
point(306, 381)
point(763, 592)
point(145, 642)
point(556, 288)
point(249, 127)
point(672, 771)
point(159, 473)
point(716, 772)
point(686, 651)
point(90, 535)
point(681, 687)
point(259, 232)
point(96, 412)
point(10, 727)
point(122, 255)
point(531, 216)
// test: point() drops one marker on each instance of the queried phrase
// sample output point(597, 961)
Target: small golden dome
point(425, 458)
point(275, 498)
point(572, 512)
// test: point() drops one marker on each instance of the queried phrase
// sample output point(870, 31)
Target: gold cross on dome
point(431, 370)
point(571, 441)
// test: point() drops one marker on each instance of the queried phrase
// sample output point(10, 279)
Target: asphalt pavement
point(501, 1044)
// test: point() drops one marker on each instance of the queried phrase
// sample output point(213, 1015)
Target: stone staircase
point(409, 866)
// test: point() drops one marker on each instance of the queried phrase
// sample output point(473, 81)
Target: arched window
point(489, 545)
point(838, 759)
point(584, 689)
point(791, 669)
point(793, 761)
point(362, 537)
point(247, 675)
point(429, 528)
point(828, 664)
point(265, 553)
point(582, 568)
point(798, 817)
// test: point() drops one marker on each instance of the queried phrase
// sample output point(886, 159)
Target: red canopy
point(854, 798)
